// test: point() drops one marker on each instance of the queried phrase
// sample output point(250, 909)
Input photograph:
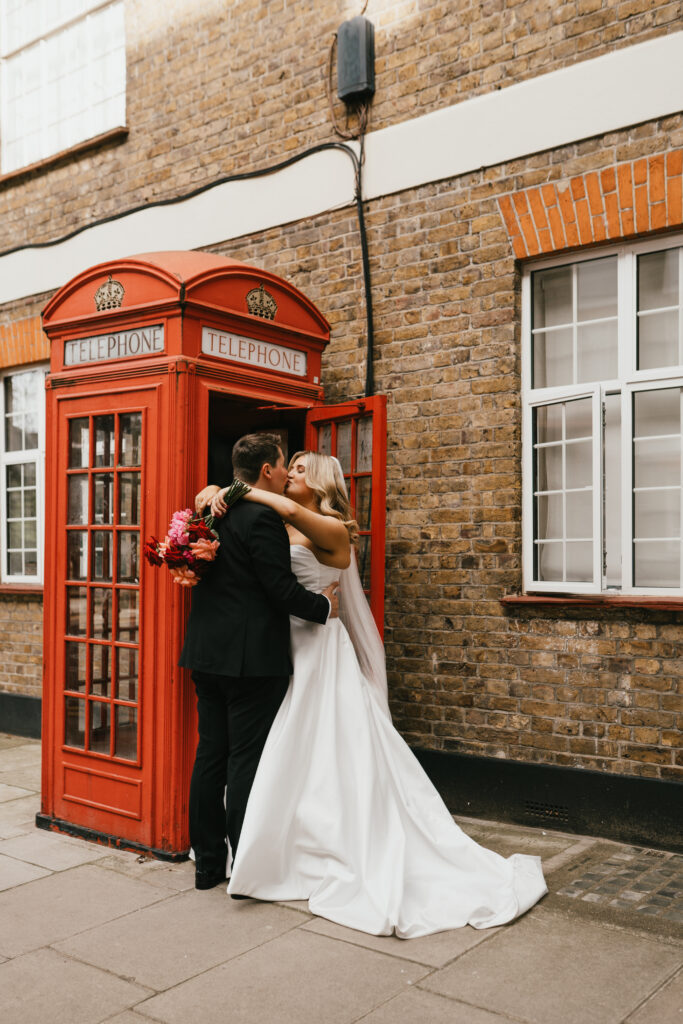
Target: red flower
point(200, 531)
point(151, 552)
point(174, 557)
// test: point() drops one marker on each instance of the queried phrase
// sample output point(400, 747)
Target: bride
point(341, 813)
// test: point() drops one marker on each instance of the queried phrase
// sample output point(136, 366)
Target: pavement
point(89, 934)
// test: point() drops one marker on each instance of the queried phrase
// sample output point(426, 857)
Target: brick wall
point(21, 644)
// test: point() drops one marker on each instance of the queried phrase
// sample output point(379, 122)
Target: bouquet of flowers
point(191, 543)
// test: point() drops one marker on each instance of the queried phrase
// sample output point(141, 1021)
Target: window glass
point(22, 398)
point(63, 74)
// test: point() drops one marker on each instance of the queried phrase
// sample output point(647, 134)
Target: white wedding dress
point(342, 814)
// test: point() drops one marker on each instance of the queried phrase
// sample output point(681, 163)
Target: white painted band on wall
point(634, 84)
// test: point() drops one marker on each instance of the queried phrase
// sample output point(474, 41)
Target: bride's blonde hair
point(321, 475)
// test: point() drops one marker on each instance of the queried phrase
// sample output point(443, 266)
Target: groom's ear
point(267, 470)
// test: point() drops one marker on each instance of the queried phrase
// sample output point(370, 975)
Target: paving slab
point(28, 777)
point(7, 741)
point(176, 877)
point(16, 872)
point(431, 950)
point(128, 1017)
point(44, 987)
point(23, 756)
point(165, 944)
point(664, 1007)
point(506, 839)
point(49, 850)
point(547, 969)
point(418, 1005)
point(66, 903)
point(12, 792)
point(17, 817)
point(298, 978)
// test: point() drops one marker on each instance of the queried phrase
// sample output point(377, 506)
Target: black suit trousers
point(234, 719)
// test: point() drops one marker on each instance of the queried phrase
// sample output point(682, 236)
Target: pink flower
point(185, 577)
point(205, 549)
point(177, 531)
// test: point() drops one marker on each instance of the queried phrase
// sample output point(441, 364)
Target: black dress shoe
point(204, 880)
point(237, 896)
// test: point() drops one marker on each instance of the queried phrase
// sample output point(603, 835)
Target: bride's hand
point(218, 506)
point(204, 497)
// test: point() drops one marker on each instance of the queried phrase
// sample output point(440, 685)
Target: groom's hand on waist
point(331, 594)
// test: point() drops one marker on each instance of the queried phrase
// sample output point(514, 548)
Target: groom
point(237, 645)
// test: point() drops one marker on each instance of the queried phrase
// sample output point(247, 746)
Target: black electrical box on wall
point(356, 60)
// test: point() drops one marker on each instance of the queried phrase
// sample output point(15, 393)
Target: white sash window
point(22, 464)
point(603, 421)
point(62, 76)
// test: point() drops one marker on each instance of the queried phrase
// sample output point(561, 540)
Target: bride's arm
point(326, 532)
point(204, 497)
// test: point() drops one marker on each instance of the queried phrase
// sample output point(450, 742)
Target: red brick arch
point(621, 201)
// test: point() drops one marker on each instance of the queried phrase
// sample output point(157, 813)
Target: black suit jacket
point(239, 620)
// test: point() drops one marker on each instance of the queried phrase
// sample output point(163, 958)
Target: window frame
point(36, 455)
point(629, 381)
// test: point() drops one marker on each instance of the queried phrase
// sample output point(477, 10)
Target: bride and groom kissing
point(298, 764)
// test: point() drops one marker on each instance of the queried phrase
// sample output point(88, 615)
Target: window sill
point(21, 588)
point(672, 604)
point(112, 136)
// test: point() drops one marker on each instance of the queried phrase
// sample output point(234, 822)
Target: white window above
point(22, 464)
point(603, 421)
point(62, 76)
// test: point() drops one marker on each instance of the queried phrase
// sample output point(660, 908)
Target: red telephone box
point(159, 363)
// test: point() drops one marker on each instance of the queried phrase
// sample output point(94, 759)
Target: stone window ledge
point(21, 588)
point(64, 155)
point(672, 604)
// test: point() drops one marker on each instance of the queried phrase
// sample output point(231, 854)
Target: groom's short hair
point(250, 454)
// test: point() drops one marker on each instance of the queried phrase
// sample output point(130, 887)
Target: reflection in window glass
point(126, 732)
point(74, 730)
point(659, 309)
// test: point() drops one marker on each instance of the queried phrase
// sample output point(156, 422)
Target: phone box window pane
point(658, 279)
point(657, 462)
point(550, 517)
point(130, 426)
point(103, 498)
point(363, 556)
point(102, 555)
point(344, 445)
point(657, 564)
point(364, 445)
point(76, 611)
point(597, 356)
point(552, 290)
point(657, 513)
point(325, 439)
point(550, 557)
point(128, 557)
point(79, 443)
point(580, 514)
point(104, 440)
point(77, 554)
point(75, 667)
point(127, 673)
point(553, 358)
point(658, 340)
point(100, 731)
point(657, 412)
point(128, 616)
point(101, 613)
point(363, 502)
point(579, 562)
point(129, 499)
point(100, 669)
point(74, 731)
point(78, 499)
point(126, 733)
